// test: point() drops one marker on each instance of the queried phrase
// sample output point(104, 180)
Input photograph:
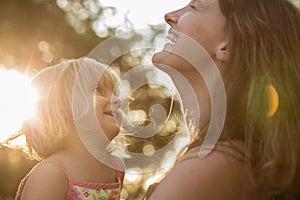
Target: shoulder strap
point(117, 168)
point(20, 187)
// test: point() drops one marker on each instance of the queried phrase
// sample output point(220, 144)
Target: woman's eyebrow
point(192, 2)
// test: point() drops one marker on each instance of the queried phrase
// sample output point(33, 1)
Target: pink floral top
point(79, 190)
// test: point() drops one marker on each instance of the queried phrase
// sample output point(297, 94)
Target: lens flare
point(17, 102)
point(273, 100)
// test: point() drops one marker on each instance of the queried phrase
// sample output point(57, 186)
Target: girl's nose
point(116, 102)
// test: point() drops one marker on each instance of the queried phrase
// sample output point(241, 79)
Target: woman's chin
point(157, 57)
point(163, 58)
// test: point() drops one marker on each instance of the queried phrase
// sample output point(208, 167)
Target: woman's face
point(202, 21)
point(106, 107)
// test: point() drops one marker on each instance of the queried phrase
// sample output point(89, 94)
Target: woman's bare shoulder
point(217, 176)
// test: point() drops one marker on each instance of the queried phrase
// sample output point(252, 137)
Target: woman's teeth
point(172, 38)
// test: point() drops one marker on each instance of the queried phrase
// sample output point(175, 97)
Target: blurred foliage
point(148, 159)
point(296, 2)
point(34, 34)
point(38, 33)
point(13, 167)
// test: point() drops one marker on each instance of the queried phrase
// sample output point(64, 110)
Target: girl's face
point(106, 107)
point(202, 21)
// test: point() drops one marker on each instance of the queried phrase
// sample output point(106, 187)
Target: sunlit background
point(40, 33)
point(17, 101)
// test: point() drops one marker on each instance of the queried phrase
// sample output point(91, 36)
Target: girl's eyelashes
point(99, 90)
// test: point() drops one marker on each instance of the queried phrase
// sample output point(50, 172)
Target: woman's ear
point(222, 54)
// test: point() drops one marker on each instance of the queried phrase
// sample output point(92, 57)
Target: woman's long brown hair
point(264, 47)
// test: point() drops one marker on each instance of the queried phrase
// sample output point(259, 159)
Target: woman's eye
point(192, 6)
point(198, 5)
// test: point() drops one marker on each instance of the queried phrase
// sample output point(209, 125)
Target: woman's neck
point(195, 99)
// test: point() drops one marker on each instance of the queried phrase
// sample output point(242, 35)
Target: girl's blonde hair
point(54, 116)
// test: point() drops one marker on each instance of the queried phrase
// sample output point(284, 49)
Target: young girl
point(71, 94)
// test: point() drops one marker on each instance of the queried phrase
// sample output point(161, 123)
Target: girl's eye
point(99, 91)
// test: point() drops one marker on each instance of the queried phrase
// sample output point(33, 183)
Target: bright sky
point(143, 12)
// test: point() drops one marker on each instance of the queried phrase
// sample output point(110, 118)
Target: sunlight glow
point(148, 149)
point(143, 13)
point(138, 117)
point(17, 102)
point(154, 178)
point(133, 175)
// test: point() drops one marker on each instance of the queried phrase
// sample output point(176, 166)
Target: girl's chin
point(114, 133)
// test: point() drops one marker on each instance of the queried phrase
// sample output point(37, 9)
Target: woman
point(255, 45)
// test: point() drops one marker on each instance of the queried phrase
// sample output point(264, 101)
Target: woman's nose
point(172, 17)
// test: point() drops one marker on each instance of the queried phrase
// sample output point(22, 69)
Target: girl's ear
point(222, 54)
